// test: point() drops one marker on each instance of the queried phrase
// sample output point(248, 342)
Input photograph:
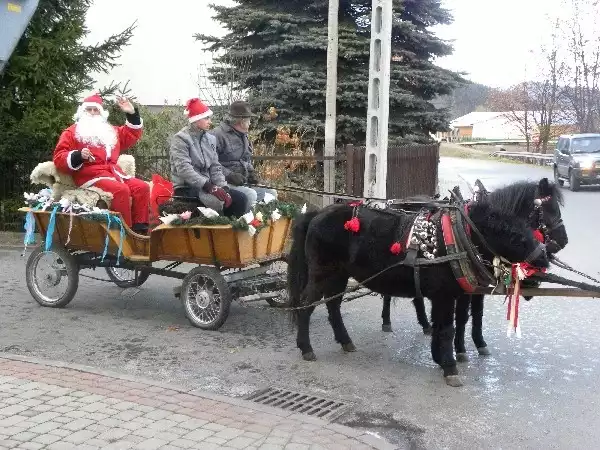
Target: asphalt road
point(539, 391)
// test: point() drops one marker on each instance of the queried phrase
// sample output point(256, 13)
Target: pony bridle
point(537, 219)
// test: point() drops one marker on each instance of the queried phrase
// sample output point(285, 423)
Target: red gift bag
point(162, 190)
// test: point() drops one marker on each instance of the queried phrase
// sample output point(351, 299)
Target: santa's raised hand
point(125, 105)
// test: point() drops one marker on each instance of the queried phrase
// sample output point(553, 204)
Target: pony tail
point(297, 273)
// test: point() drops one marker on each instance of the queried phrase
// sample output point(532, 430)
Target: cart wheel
point(206, 298)
point(279, 269)
point(125, 278)
point(52, 276)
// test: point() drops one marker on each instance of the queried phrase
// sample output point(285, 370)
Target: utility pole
point(378, 107)
point(331, 99)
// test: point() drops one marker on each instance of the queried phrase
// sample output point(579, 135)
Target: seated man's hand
point(218, 192)
point(86, 154)
point(235, 179)
point(252, 178)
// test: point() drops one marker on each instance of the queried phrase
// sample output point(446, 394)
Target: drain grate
point(299, 403)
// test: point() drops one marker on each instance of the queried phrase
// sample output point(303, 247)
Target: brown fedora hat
point(240, 109)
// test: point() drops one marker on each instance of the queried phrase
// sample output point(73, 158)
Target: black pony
point(324, 255)
point(539, 204)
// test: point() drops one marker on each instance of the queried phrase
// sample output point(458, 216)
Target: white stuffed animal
point(62, 184)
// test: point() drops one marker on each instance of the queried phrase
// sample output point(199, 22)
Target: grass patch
point(458, 151)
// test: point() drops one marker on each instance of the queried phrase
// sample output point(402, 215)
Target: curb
point(369, 439)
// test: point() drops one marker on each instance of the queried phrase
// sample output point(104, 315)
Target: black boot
point(140, 228)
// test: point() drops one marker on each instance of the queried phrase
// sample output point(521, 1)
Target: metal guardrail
point(540, 159)
point(467, 143)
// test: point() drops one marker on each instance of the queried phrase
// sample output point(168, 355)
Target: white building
point(497, 126)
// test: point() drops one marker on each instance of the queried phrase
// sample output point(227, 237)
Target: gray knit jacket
point(193, 158)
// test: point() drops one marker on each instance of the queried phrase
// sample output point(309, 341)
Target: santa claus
point(88, 151)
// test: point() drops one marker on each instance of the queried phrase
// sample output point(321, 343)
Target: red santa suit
point(131, 196)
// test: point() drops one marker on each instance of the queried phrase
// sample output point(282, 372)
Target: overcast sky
point(493, 41)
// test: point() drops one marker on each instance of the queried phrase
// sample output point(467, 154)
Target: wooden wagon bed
point(218, 245)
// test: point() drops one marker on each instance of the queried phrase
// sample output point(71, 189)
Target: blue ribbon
point(106, 239)
point(114, 219)
point(29, 229)
point(121, 238)
point(51, 226)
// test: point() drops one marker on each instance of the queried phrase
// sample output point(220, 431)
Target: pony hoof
point(483, 351)
point(428, 331)
point(454, 381)
point(310, 356)
point(349, 347)
point(462, 357)
point(387, 328)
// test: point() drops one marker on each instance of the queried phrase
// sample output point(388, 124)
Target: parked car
point(577, 160)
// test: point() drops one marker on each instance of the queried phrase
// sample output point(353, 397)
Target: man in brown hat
point(235, 152)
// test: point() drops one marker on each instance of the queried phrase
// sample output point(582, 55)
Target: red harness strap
point(451, 248)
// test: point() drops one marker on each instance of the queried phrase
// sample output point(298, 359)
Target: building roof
point(468, 120)
point(474, 117)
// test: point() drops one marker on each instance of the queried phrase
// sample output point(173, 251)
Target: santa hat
point(197, 110)
point(94, 101)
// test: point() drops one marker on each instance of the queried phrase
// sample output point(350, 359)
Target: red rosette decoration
point(396, 248)
point(352, 225)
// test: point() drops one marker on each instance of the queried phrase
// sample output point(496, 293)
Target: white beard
point(96, 131)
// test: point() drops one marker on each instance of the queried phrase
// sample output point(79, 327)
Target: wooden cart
point(230, 263)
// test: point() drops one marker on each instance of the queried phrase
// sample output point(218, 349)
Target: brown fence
point(305, 172)
point(412, 170)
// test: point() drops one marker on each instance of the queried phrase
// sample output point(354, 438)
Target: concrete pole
point(378, 107)
point(330, 99)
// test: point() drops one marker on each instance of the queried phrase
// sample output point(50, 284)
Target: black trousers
point(236, 209)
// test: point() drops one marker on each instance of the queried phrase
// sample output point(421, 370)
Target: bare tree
point(550, 111)
point(219, 83)
point(583, 77)
point(514, 103)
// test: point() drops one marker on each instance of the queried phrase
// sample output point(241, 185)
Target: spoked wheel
point(52, 276)
point(206, 298)
point(279, 269)
point(125, 278)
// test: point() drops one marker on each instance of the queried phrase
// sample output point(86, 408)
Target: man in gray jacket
point(195, 167)
point(235, 152)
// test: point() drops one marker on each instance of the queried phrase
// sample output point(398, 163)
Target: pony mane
point(518, 197)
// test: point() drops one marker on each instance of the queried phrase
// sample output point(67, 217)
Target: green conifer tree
point(286, 42)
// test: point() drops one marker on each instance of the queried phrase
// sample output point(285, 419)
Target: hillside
point(464, 100)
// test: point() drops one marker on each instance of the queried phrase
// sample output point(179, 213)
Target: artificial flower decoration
point(208, 212)
point(64, 203)
point(186, 215)
point(275, 215)
point(268, 198)
point(169, 218)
